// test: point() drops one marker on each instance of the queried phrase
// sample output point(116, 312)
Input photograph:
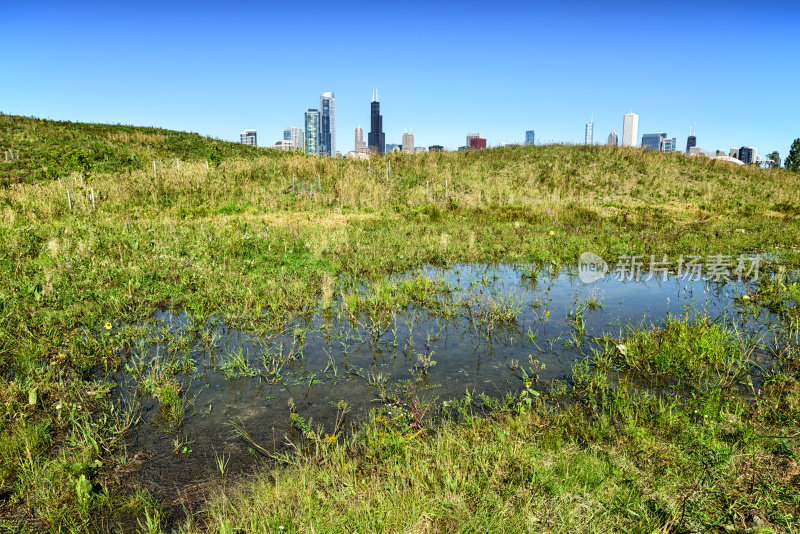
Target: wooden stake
point(69, 200)
point(154, 168)
point(93, 198)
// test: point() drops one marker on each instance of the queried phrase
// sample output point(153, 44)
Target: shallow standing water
point(330, 359)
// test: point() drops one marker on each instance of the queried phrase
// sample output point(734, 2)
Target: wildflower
point(108, 325)
point(552, 232)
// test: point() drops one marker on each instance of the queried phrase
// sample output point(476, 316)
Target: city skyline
point(62, 74)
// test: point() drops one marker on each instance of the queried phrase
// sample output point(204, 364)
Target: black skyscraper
point(691, 142)
point(376, 138)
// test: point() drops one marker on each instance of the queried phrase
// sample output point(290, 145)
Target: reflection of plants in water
point(237, 365)
point(425, 361)
point(273, 366)
point(378, 380)
point(159, 378)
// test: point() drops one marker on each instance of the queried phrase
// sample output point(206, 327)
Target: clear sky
point(442, 68)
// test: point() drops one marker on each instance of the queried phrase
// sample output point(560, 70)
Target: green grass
point(236, 242)
point(46, 149)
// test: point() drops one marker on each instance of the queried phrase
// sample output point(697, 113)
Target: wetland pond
point(474, 328)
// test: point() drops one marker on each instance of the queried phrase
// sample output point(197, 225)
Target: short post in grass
point(177, 163)
point(312, 191)
point(445, 188)
point(319, 183)
point(154, 169)
point(293, 183)
point(427, 187)
point(69, 200)
point(206, 165)
point(93, 198)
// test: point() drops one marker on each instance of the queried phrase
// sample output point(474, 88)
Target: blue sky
point(442, 69)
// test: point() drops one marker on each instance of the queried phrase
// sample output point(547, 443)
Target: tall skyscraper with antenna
point(691, 141)
point(376, 137)
point(630, 129)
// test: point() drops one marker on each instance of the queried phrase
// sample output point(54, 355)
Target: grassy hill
point(47, 148)
point(265, 236)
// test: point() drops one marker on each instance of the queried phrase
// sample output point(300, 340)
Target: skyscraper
point(691, 141)
point(667, 144)
point(588, 137)
point(295, 135)
point(248, 137)
point(327, 124)
point(748, 154)
point(376, 137)
point(408, 142)
point(530, 137)
point(359, 144)
point(612, 138)
point(630, 129)
point(652, 141)
point(312, 131)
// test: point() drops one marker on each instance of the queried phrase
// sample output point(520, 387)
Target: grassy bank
point(34, 149)
point(264, 236)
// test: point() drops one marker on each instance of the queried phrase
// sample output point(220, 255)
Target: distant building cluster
point(318, 137)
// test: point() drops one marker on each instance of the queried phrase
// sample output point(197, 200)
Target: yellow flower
point(108, 326)
point(552, 232)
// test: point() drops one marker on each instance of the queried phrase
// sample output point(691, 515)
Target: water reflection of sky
point(337, 357)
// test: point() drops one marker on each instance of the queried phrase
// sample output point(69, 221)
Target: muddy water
point(332, 359)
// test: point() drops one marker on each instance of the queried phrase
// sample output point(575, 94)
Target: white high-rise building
point(612, 138)
point(588, 138)
point(359, 144)
point(408, 142)
point(248, 137)
point(294, 134)
point(630, 129)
